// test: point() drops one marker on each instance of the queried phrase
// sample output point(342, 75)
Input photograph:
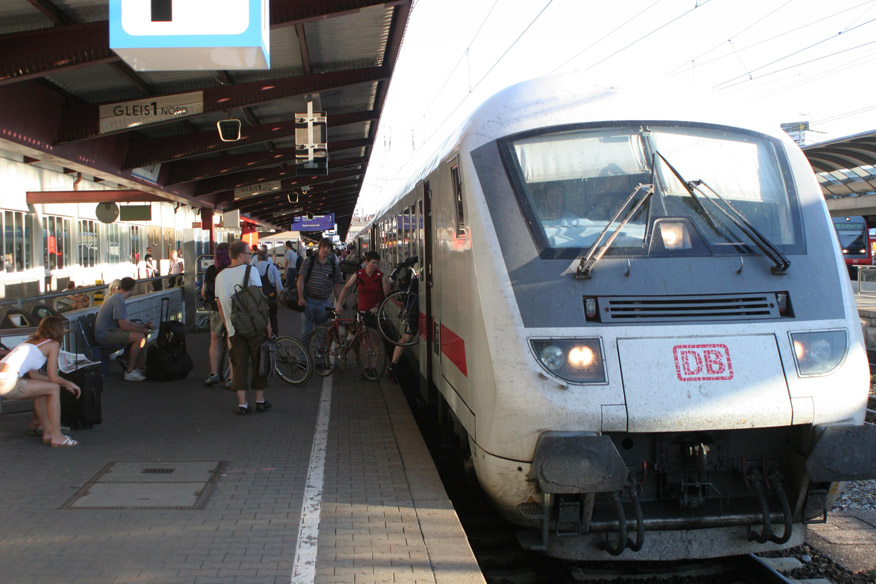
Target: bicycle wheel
point(371, 355)
point(324, 347)
point(396, 316)
point(294, 365)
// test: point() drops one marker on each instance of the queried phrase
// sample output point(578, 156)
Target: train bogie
point(638, 316)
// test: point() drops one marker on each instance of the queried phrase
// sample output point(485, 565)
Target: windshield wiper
point(585, 267)
point(737, 218)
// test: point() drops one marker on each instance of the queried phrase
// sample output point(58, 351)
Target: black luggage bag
point(84, 412)
point(167, 358)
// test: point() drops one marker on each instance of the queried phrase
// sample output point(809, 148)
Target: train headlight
point(575, 360)
point(820, 352)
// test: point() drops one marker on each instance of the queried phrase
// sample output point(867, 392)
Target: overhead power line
point(749, 74)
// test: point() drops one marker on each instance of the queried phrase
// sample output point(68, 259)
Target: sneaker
point(242, 410)
point(228, 384)
point(263, 406)
point(134, 376)
point(212, 380)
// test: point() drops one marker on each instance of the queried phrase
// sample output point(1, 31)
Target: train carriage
point(635, 308)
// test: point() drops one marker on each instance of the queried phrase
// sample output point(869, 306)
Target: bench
point(92, 349)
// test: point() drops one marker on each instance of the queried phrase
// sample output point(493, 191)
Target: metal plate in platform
point(148, 485)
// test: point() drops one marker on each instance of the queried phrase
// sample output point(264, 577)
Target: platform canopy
point(68, 100)
point(846, 171)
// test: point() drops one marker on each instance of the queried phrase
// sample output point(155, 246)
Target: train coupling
point(567, 465)
point(761, 486)
point(843, 453)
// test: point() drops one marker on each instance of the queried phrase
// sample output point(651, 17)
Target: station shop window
point(57, 242)
point(17, 228)
point(135, 238)
point(88, 243)
point(113, 244)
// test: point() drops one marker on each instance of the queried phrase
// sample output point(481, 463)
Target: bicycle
point(294, 364)
point(326, 347)
point(398, 314)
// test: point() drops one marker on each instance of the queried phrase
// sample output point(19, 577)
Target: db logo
point(702, 362)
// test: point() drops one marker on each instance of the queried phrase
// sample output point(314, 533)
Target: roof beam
point(108, 196)
point(189, 170)
point(82, 122)
point(157, 150)
point(287, 175)
point(37, 53)
point(228, 202)
point(274, 201)
point(51, 11)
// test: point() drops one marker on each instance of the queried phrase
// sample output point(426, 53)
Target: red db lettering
point(702, 362)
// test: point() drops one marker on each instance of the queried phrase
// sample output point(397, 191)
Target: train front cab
point(719, 405)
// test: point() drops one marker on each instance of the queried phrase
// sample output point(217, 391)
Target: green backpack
point(249, 309)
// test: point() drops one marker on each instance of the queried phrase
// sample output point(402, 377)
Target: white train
point(635, 308)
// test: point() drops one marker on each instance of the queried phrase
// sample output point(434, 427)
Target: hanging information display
point(191, 35)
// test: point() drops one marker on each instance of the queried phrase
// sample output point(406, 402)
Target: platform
point(334, 484)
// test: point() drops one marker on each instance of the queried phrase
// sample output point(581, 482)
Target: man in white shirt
point(244, 350)
point(291, 265)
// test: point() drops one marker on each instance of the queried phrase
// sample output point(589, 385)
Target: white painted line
point(304, 566)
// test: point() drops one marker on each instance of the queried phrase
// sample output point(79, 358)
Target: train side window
point(457, 196)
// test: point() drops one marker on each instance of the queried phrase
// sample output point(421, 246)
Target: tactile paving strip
point(148, 485)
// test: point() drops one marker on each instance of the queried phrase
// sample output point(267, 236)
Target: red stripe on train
point(454, 347)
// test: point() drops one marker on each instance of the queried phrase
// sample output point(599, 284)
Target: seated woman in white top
point(20, 378)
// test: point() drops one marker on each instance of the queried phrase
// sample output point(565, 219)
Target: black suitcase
point(171, 333)
point(84, 412)
point(167, 358)
point(166, 363)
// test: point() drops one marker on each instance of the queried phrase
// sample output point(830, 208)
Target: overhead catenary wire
point(471, 90)
point(749, 74)
point(730, 40)
point(793, 66)
point(605, 36)
point(689, 64)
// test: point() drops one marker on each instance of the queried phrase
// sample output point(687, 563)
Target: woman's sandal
point(67, 442)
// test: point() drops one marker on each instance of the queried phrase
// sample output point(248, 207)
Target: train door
point(426, 284)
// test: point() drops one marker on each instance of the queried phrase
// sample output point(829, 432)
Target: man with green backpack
point(244, 311)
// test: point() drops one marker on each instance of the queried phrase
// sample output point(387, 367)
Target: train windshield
point(575, 184)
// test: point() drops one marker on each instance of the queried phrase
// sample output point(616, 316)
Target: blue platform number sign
point(183, 35)
point(314, 222)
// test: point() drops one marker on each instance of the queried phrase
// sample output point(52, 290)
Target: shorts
point(217, 325)
point(113, 337)
point(11, 386)
point(244, 363)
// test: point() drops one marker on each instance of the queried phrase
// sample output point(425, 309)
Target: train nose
point(717, 383)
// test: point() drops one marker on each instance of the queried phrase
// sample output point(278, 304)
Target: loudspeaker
point(229, 130)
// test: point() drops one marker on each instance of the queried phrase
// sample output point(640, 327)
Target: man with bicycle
point(320, 276)
point(372, 285)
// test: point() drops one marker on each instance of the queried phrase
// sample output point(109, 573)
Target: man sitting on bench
point(113, 328)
